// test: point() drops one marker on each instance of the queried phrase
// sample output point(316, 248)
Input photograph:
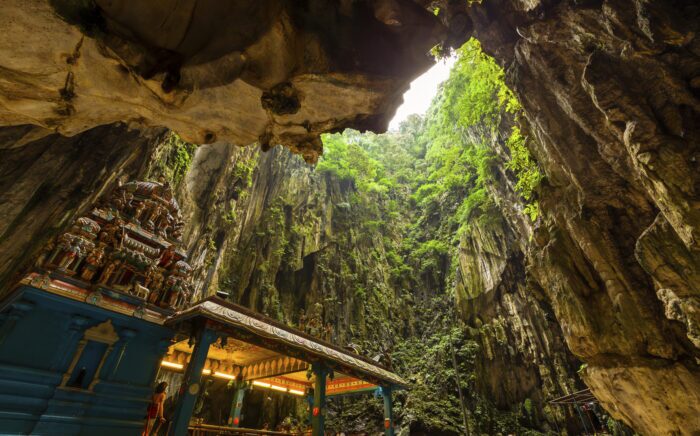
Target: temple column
point(318, 410)
point(388, 412)
point(192, 382)
point(237, 404)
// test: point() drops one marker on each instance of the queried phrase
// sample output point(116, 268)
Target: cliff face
point(281, 238)
point(524, 360)
point(610, 92)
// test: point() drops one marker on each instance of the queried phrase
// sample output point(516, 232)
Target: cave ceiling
point(267, 71)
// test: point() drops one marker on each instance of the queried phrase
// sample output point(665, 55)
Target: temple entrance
point(258, 367)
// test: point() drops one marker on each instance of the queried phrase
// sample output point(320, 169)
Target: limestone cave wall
point(523, 361)
point(280, 237)
point(610, 92)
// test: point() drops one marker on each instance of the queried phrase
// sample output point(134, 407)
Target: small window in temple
point(90, 356)
point(87, 365)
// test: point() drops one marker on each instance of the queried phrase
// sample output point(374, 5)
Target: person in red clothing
point(155, 408)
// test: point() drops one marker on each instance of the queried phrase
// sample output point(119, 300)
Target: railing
point(206, 430)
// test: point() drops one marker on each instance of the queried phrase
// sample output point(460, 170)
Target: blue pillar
point(318, 410)
point(235, 416)
point(191, 382)
point(161, 348)
point(388, 413)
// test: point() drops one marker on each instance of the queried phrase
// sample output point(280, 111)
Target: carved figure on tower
point(93, 262)
point(109, 270)
point(128, 243)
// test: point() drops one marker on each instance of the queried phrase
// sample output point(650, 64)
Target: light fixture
point(296, 392)
point(206, 371)
point(278, 388)
point(171, 364)
point(223, 375)
point(261, 384)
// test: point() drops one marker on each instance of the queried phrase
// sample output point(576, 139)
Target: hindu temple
point(110, 308)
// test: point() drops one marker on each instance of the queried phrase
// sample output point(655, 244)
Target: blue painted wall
point(37, 345)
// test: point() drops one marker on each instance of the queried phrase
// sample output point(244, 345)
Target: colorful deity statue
point(109, 271)
point(152, 273)
point(157, 283)
point(177, 286)
point(121, 200)
point(113, 233)
point(67, 251)
point(138, 211)
point(155, 296)
point(178, 293)
point(93, 262)
point(74, 249)
point(167, 259)
point(85, 227)
point(162, 224)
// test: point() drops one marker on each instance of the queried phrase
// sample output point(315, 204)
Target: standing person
point(155, 408)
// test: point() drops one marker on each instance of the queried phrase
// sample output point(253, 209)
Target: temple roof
point(281, 340)
point(157, 191)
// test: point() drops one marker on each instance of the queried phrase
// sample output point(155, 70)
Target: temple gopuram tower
point(82, 335)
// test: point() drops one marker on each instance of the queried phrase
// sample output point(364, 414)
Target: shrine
point(110, 309)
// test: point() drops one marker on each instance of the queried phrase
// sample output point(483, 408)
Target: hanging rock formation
point(273, 72)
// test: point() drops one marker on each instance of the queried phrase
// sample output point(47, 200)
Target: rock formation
point(252, 71)
point(610, 92)
point(280, 237)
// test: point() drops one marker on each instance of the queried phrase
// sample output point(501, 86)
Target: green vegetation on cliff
point(421, 188)
point(369, 240)
point(173, 159)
